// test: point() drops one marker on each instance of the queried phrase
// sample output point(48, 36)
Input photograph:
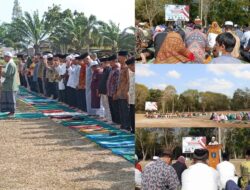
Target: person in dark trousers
point(131, 100)
point(112, 85)
point(180, 166)
point(103, 88)
point(122, 91)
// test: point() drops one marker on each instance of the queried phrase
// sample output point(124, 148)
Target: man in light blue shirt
point(225, 44)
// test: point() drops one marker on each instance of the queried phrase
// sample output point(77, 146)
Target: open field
point(142, 121)
point(42, 155)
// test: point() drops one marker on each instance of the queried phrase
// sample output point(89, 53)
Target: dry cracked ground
point(42, 155)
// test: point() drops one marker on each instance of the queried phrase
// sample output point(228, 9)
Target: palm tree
point(77, 32)
point(91, 31)
point(114, 38)
point(31, 29)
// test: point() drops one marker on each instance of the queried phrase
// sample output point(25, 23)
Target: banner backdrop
point(189, 144)
point(151, 106)
point(177, 12)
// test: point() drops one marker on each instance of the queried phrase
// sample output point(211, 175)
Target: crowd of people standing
point(104, 88)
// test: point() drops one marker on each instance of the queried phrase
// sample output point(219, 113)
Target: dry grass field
point(142, 121)
point(42, 155)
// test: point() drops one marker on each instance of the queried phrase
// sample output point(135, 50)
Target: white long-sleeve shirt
point(74, 72)
point(226, 172)
point(200, 177)
point(61, 70)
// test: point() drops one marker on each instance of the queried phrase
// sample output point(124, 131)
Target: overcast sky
point(221, 78)
point(119, 11)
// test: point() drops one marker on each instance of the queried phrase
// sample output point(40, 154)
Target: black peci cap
point(104, 59)
point(83, 56)
point(122, 53)
point(112, 57)
point(20, 56)
point(201, 154)
point(130, 61)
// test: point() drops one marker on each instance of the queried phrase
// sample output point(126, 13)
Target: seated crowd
point(161, 174)
point(193, 43)
point(241, 116)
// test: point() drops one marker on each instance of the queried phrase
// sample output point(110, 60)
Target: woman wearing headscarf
point(173, 50)
point(213, 32)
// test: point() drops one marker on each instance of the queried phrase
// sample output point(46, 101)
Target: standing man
point(81, 92)
point(61, 70)
point(213, 141)
point(131, 100)
point(122, 91)
point(87, 60)
point(103, 88)
point(74, 72)
point(9, 86)
point(112, 84)
point(35, 73)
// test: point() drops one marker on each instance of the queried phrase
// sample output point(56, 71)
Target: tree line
point(64, 31)
point(153, 11)
point(150, 141)
point(169, 101)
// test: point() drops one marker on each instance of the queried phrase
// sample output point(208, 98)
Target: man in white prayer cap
point(9, 85)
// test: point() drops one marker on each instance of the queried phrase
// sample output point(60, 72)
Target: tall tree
point(31, 29)
point(17, 11)
point(149, 9)
point(141, 95)
point(113, 37)
point(169, 95)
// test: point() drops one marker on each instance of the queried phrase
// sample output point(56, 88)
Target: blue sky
point(216, 78)
point(119, 11)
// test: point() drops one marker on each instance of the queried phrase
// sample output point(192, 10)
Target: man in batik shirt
point(160, 175)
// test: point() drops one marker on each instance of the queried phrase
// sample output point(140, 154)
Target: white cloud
point(160, 86)
point(174, 74)
point(213, 85)
point(197, 83)
point(218, 85)
point(238, 71)
point(144, 71)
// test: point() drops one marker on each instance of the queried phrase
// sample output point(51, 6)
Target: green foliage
point(150, 142)
point(31, 29)
point(141, 96)
point(193, 100)
point(113, 37)
point(65, 32)
point(237, 141)
point(153, 11)
point(241, 99)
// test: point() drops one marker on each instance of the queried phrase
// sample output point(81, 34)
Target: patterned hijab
point(215, 28)
point(173, 50)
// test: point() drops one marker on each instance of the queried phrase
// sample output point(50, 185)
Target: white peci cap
point(8, 54)
point(229, 23)
point(49, 55)
point(155, 157)
point(93, 63)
